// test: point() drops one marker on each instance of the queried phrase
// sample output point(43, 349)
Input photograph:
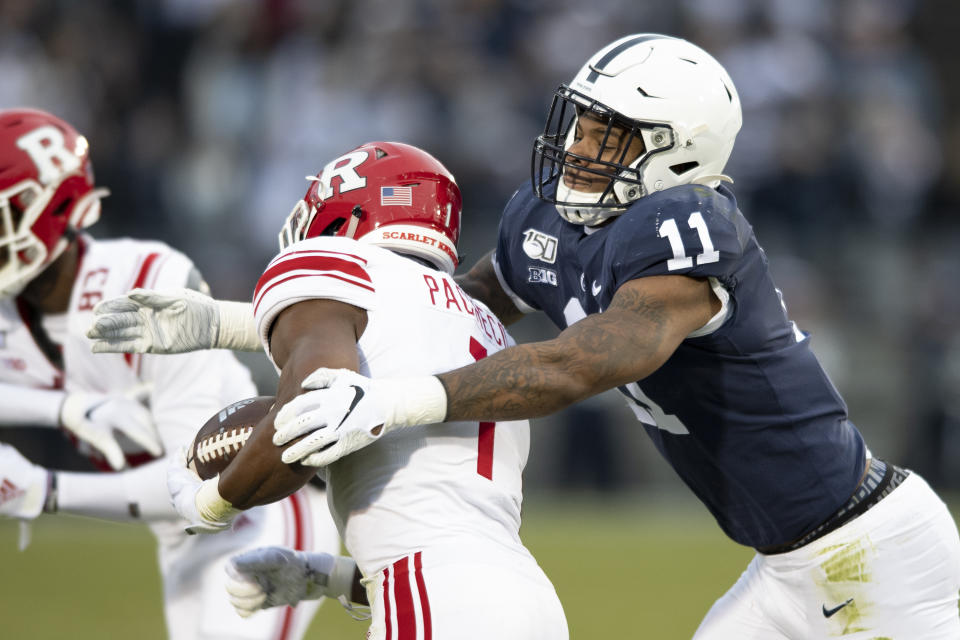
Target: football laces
point(223, 443)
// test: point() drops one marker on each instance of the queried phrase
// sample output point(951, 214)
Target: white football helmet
point(669, 92)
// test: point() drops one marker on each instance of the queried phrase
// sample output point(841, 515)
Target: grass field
point(623, 568)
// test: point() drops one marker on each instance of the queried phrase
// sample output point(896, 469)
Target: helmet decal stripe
point(608, 57)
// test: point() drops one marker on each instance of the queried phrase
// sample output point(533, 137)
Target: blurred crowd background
point(204, 116)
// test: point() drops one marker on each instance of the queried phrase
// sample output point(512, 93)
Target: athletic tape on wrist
point(340, 582)
point(211, 506)
point(410, 401)
point(238, 327)
point(50, 503)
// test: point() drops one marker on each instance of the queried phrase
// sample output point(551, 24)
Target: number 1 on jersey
point(485, 436)
point(680, 260)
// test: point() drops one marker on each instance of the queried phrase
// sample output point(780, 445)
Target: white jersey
point(185, 390)
point(434, 486)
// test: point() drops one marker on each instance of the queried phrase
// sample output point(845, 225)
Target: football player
point(661, 290)
point(134, 410)
point(364, 282)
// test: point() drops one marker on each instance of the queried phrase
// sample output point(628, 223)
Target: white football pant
point(892, 572)
point(467, 599)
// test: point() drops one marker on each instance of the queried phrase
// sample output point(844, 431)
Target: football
point(222, 436)
point(263, 477)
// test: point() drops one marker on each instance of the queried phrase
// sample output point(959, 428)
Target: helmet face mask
point(388, 194)
point(622, 167)
point(666, 92)
point(47, 193)
point(21, 252)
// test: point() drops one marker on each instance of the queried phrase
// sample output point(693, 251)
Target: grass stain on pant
point(842, 575)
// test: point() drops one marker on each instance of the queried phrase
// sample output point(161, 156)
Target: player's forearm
point(136, 495)
point(248, 482)
point(245, 483)
point(528, 381)
point(532, 380)
point(27, 407)
point(305, 337)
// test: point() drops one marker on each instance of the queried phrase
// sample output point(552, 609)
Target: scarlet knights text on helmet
point(389, 194)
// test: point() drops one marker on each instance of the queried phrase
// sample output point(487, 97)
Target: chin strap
point(354, 221)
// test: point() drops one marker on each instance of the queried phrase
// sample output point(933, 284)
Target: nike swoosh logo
point(89, 412)
point(358, 394)
point(595, 288)
point(829, 612)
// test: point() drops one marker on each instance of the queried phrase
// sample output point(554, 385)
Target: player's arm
point(172, 321)
point(95, 418)
point(481, 282)
point(133, 495)
point(304, 337)
point(646, 321)
point(276, 576)
point(310, 332)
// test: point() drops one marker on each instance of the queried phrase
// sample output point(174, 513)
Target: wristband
point(50, 503)
point(238, 327)
point(340, 582)
point(410, 401)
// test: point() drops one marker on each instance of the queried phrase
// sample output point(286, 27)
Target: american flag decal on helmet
point(396, 195)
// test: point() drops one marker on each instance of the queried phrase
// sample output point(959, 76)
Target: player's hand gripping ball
point(265, 477)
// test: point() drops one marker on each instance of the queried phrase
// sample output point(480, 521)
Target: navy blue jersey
point(745, 414)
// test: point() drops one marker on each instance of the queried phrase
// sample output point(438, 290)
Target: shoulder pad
point(690, 230)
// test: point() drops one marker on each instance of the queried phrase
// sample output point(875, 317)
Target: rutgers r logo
point(48, 150)
point(345, 168)
point(540, 246)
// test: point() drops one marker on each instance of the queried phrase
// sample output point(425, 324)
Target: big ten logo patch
point(540, 246)
point(539, 275)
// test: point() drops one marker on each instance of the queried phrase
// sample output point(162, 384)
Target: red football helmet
point(46, 193)
point(389, 194)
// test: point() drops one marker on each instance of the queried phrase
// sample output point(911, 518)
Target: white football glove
point(95, 417)
point(346, 411)
point(23, 485)
point(276, 576)
point(176, 321)
point(197, 501)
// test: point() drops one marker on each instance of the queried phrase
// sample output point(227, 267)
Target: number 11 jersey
point(742, 410)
